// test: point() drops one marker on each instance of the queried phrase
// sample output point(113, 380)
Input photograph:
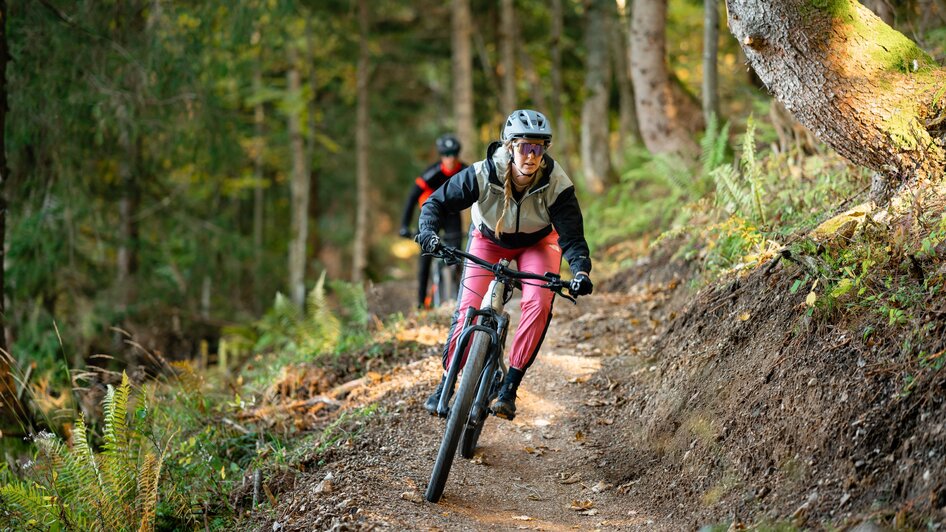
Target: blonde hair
point(507, 184)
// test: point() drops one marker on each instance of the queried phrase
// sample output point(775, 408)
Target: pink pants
point(544, 256)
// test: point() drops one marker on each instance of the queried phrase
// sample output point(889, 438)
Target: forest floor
point(651, 406)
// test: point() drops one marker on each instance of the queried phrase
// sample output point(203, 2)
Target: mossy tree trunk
point(855, 82)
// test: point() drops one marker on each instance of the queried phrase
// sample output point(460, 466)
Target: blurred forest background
point(172, 166)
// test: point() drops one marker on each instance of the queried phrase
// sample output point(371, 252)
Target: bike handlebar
point(552, 281)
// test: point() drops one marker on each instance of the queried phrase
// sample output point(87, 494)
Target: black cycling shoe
point(434, 400)
point(505, 405)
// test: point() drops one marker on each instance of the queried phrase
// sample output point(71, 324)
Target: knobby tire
point(459, 413)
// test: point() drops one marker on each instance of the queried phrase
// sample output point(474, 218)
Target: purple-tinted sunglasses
point(526, 148)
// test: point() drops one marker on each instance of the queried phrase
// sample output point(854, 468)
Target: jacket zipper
point(519, 203)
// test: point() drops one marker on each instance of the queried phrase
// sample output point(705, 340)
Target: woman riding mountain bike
point(524, 209)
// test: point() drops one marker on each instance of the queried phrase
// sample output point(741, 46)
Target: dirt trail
point(542, 471)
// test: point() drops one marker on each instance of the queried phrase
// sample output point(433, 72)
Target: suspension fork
point(494, 362)
point(469, 328)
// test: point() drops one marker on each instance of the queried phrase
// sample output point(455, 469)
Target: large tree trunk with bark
point(595, 123)
point(360, 252)
point(299, 188)
point(668, 117)
point(507, 54)
point(463, 79)
point(855, 82)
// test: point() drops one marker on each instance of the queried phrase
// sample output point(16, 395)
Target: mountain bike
point(484, 330)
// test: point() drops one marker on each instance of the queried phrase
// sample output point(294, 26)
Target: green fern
point(73, 488)
point(739, 189)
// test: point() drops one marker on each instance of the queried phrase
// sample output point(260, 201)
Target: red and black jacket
point(426, 184)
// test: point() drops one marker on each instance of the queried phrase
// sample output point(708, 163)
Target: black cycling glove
point(583, 285)
point(429, 241)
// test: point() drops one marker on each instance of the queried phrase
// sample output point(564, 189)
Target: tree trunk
point(259, 190)
point(300, 185)
point(507, 53)
point(595, 150)
point(563, 141)
point(463, 79)
point(628, 129)
point(710, 54)
point(314, 201)
point(668, 119)
point(359, 258)
point(4, 172)
point(10, 408)
point(855, 82)
point(128, 203)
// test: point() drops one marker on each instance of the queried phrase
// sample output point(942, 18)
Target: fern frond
point(729, 194)
point(117, 468)
point(27, 506)
point(146, 501)
point(353, 302)
point(321, 329)
point(751, 169)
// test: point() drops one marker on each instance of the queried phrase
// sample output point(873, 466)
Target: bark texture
point(595, 151)
point(463, 79)
point(628, 129)
point(855, 82)
point(299, 188)
point(710, 54)
point(507, 50)
point(668, 118)
point(360, 252)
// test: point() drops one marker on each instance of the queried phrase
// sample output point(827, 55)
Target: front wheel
point(459, 414)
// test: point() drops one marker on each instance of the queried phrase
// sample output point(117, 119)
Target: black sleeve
point(457, 194)
point(412, 199)
point(566, 217)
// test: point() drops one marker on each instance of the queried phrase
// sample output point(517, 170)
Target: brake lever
point(560, 292)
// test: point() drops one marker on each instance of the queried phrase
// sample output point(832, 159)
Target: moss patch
point(889, 49)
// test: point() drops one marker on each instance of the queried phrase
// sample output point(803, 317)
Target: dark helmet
point(448, 145)
point(526, 123)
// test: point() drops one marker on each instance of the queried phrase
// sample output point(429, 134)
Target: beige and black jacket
point(549, 204)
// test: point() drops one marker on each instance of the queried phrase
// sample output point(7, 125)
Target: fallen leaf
point(593, 511)
point(810, 300)
point(604, 421)
point(412, 496)
point(573, 478)
point(744, 316)
point(522, 518)
point(586, 504)
point(601, 486)
point(478, 459)
point(579, 436)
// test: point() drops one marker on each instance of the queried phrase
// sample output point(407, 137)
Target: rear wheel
point(459, 414)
